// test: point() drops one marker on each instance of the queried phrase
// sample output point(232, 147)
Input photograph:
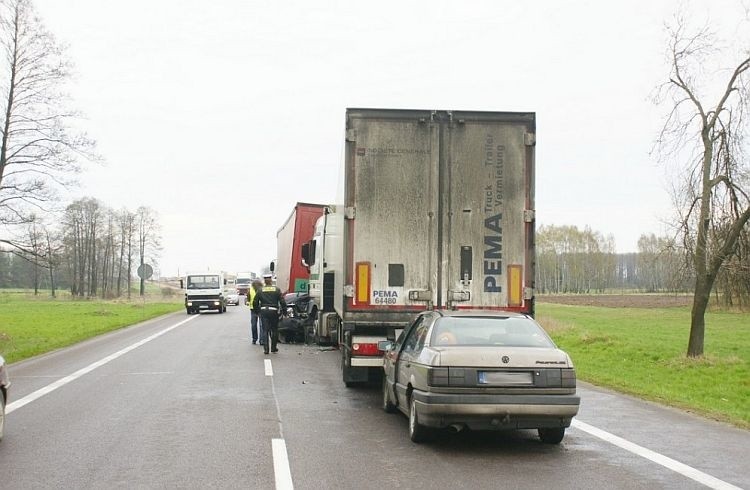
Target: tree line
point(575, 261)
point(91, 250)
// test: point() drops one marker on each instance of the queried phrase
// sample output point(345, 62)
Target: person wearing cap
point(269, 302)
point(255, 322)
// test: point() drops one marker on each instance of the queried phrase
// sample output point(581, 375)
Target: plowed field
point(619, 300)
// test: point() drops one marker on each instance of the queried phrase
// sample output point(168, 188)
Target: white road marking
point(11, 407)
point(657, 458)
point(281, 465)
point(281, 470)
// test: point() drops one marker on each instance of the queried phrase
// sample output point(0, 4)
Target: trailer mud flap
point(352, 375)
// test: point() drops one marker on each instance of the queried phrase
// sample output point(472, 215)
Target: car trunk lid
point(501, 357)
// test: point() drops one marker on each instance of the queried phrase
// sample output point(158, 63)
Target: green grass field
point(641, 351)
point(32, 325)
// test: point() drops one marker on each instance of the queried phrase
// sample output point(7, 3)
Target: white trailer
point(438, 212)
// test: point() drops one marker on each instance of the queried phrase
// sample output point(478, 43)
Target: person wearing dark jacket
point(255, 324)
point(270, 305)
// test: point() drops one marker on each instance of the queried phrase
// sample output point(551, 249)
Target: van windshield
point(203, 282)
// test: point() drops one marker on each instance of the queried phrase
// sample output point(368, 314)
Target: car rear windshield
point(479, 331)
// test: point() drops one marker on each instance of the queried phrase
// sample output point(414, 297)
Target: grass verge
point(642, 352)
point(32, 325)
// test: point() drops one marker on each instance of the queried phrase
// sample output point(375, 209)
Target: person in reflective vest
point(255, 317)
point(270, 304)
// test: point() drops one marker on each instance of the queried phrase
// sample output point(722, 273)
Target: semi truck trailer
point(437, 212)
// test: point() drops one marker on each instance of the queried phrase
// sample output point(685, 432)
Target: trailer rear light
point(363, 283)
point(515, 285)
point(365, 349)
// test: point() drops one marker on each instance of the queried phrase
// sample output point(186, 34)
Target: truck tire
point(311, 330)
point(346, 371)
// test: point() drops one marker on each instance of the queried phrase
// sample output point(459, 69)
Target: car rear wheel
point(417, 432)
point(551, 436)
point(387, 405)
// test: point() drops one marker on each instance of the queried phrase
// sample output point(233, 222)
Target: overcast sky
point(221, 115)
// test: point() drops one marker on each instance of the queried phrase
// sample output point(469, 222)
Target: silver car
point(4, 385)
point(482, 370)
point(232, 298)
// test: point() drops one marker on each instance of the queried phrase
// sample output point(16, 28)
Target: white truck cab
point(204, 291)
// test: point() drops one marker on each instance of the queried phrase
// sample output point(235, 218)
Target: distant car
point(482, 370)
point(232, 298)
point(4, 385)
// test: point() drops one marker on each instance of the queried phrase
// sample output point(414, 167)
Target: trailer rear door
point(487, 207)
point(392, 186)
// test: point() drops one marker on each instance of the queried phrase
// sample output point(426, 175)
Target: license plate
point(203, 307)
point(504, 378)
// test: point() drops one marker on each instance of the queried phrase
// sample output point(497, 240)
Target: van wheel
point(417, 432)
point(551, 436)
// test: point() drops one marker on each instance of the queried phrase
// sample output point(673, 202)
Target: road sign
point(145, 271)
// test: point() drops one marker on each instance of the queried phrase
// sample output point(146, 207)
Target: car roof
point(481, 313)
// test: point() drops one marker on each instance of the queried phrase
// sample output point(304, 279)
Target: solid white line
point(281, 465)
point(268, 367)
point(72, 377)
point(665, 461)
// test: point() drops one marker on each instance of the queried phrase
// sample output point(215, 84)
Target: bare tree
point(149, 239)
point(712, 197)
point(82, 222)
point(127, 228)
point(53, 246)
point(38, 150)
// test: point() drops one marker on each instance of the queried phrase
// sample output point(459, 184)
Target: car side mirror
point(384, 345)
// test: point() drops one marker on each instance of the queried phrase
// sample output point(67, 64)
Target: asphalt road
point(188, 402)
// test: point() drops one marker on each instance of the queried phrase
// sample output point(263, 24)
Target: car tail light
point(359, 349)
point(438, 376)
point(568, 378)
